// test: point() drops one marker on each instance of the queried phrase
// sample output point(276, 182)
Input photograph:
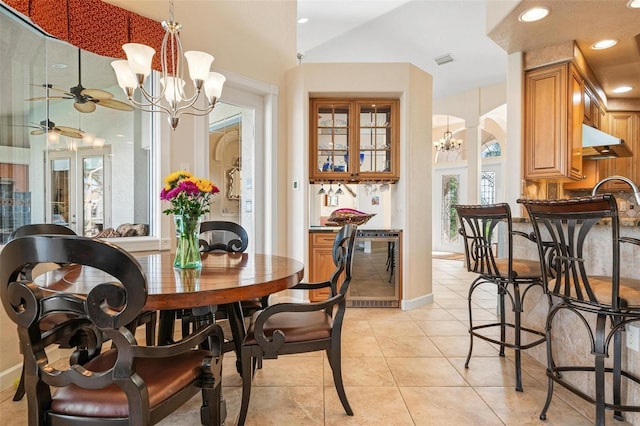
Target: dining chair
point(128, 383)
point(230, 237)
point(290, 328)
point(53, 327)
point(600, 303)
point(514, 278)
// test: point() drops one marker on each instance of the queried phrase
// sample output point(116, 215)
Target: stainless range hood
point(598, 145)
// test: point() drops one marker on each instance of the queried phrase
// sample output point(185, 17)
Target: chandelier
point(131, 73)
point(448, 142)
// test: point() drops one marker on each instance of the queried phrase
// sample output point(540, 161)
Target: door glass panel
point(60, 191)
point(449, 219)
point(93, 195)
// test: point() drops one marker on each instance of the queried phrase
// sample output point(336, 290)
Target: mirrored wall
point(72, 151)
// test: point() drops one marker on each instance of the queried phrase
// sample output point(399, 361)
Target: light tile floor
point(400, 368)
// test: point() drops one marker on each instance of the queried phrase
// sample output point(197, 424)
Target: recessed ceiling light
point(303, 20)
point(622, 89)
point(633, 4)
point(603, 44)
point(533, 14)
point(59, 66)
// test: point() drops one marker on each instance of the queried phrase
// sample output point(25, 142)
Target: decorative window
point(449, 219)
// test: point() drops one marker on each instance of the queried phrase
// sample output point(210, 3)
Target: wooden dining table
point(225, 278)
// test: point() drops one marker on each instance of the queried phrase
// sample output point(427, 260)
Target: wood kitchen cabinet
point(593, 112)
point(624, 125)
point(554, 112)
point(321, 264)
point(354, 140)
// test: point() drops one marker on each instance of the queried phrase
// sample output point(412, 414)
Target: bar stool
point(514, 278)
point(602, 304)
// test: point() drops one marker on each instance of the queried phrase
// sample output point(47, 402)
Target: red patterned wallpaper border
point(93, 25)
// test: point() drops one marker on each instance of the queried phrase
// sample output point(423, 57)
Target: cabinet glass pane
point(333, 138)
point(375, 161)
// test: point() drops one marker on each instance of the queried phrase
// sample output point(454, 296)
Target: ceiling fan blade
point(48, 86)
point(70, 132)
point(44, 98)
point(85, 107)
point(115, 104)
point(97, 93)
point(37, 132)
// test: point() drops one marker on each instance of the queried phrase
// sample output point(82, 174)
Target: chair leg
point(617, 372)
point(501, 311)
point(466, 364)
point(236, 324)
point(600, 352)
point(150, 335)
point(336, 366)
point(20, 389)
point(517, 334)
point(247, 377)
point(550, 368)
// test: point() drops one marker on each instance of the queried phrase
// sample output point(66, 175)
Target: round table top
point(223, 278)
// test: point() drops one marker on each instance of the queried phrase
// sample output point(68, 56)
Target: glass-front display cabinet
point(354, 140)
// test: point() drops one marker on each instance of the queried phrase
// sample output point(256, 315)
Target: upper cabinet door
point(554, 111)
point(354, 140)
point(623, 125)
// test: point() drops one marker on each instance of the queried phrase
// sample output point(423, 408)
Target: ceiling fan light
point(633, 4)
point(139, 57)
point(126, 77)
point(213, 86)
point(173, 89)
point(533, 14)
point(199, 64)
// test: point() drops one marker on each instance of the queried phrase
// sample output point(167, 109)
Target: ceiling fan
point(85, 100)
point(49, 126)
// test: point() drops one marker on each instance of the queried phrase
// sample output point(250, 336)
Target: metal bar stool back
point(589, 291)
point(484, 229)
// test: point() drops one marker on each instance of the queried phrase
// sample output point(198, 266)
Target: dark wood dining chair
point(603, 305)
point(289, 328)
point(127, 384)
point(513, 278)
point(54, 328)
point(230, 237)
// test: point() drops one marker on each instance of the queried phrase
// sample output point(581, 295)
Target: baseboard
point(407, 305)
point(9, 376)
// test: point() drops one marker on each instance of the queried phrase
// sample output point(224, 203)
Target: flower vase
point(187, 249)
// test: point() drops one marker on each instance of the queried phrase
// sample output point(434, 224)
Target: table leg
point(165, 327)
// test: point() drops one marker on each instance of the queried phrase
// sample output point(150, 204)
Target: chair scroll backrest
point(342, 252)
point(110, 305)
point(564, 226)
point(39, 229)
point(234, 245)
point(479, 230)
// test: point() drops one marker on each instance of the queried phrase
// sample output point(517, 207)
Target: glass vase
point(187, 248)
